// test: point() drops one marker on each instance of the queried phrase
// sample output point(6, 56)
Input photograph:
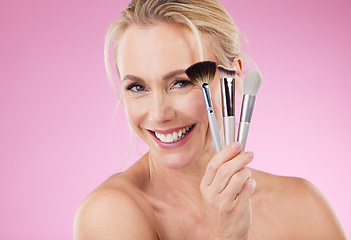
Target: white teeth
point(180, 133)
point(169, 138)
point(175, 136)
point(163, 138)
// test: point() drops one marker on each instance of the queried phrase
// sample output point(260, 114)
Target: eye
point(136, 87)
point(182, 83)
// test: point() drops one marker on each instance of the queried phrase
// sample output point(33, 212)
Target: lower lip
point(177, 144)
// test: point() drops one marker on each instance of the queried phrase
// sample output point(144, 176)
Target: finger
point(236, 184)
point(228, 170)
point(226, 154)
point(246, 192)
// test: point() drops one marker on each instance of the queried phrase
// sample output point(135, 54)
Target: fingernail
point(250, 154)
point(236, 145)
point(253, 182)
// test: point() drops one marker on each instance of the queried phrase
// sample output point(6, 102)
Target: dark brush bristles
point(201, 72)
point(226, 72)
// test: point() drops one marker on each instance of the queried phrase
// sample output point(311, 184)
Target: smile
point(174, 136)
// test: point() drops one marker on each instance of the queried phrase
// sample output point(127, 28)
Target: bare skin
point(127, 206)
point(184, 189)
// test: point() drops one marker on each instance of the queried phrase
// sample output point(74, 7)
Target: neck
point(178, 185)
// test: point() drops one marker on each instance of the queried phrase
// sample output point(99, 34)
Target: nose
point(161, 108)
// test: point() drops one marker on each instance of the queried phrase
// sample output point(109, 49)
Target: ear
point(238, 65)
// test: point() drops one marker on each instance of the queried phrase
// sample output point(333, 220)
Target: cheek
point(194, 105)
point(216, 94)
point(135, 112)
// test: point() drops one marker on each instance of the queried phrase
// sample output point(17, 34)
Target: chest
point(174, 222)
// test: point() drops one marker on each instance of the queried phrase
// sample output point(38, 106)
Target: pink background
point(59, 138)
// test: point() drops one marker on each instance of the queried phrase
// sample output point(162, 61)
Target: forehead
point(155, 50)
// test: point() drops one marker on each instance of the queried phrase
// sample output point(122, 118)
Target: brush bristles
point(201, 72)
point(226, 72)
point(252, 82)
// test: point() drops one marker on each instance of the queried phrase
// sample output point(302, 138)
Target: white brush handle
point(243, 132)
point(214, 131)
point(229, 129)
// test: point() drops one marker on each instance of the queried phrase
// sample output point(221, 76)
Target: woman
point(182, 188)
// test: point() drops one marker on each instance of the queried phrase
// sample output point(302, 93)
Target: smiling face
point(162, 106)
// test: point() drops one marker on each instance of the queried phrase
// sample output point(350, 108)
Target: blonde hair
point(201, 16)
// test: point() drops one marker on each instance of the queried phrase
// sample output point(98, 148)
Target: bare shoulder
point(298, 207)
point(113, 211)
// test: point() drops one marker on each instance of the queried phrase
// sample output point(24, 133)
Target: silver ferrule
point(211, 117)
point(228, 96)
point(243, 133)
point(207, 95)
point(247, 108)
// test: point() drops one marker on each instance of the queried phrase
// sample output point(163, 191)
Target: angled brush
point(227, 77)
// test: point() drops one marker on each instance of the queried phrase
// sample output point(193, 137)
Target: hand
point(226, 189)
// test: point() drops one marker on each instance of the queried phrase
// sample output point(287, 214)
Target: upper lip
point(170, 130)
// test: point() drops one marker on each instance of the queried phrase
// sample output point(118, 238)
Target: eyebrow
point(132, 78)
point(165, 77)
point(173, 74)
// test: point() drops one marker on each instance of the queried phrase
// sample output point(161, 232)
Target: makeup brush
point(252, 85)
point(227, 77)
point(201, 74)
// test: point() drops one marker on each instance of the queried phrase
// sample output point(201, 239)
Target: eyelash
point(186, 82)
point(131, 86)
point(176, 82)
